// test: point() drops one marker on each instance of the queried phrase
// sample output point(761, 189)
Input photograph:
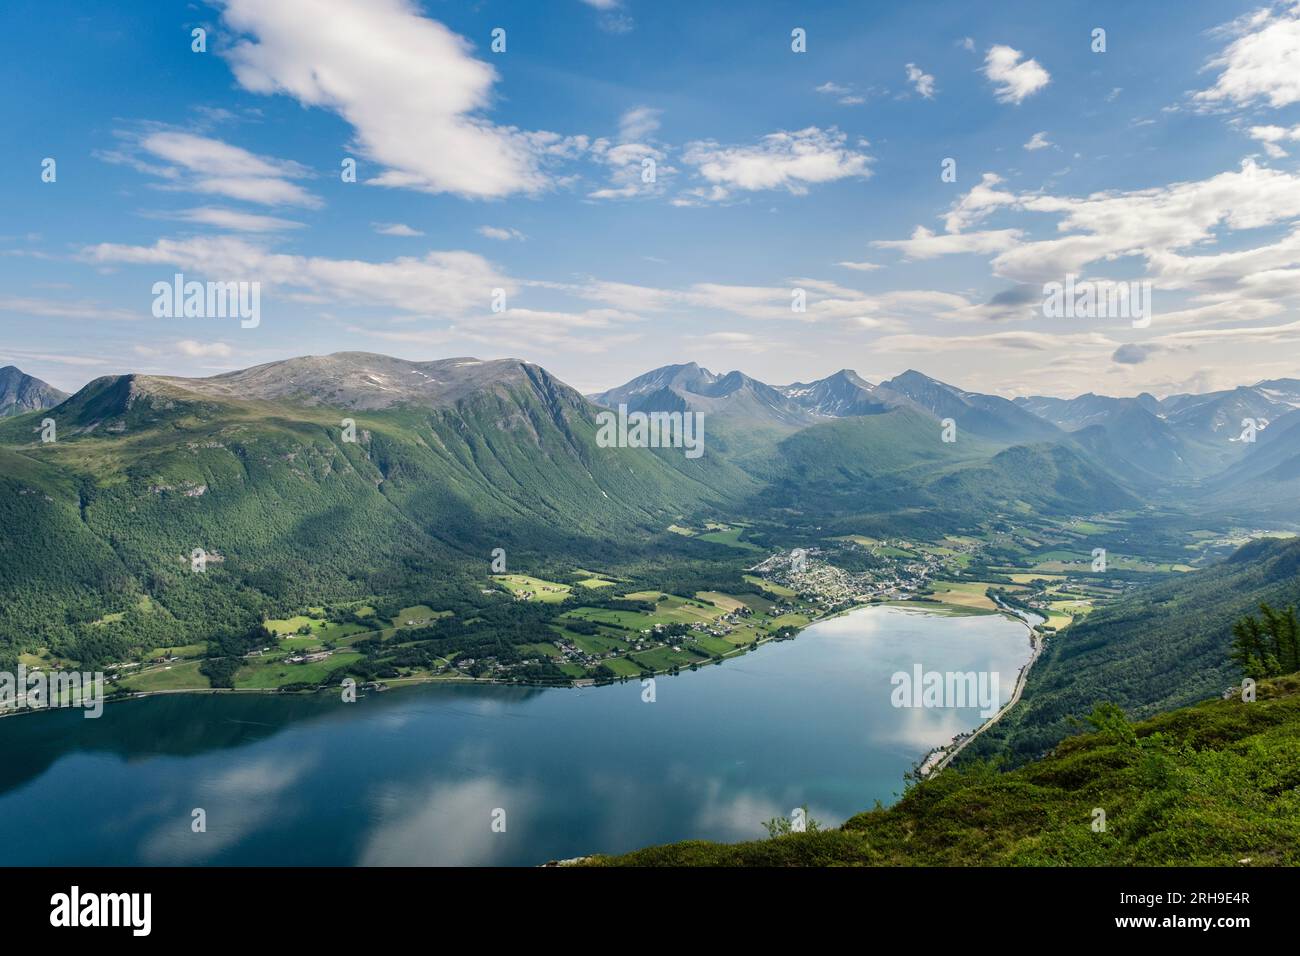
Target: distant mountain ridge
point(844, 394)
point(1181, 437)
point(21, 393)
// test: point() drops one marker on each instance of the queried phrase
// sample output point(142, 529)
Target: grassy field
point(771, 587)
point(321, 629)
point(267, 673)
point(967, 594)
point(183, 675)
point(548, 592)
point(724, 601)
point(731, 538)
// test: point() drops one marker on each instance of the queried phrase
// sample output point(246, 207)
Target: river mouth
point(473, 775)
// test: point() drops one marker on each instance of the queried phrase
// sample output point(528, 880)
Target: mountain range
point(353, 474)
point(1149, 445)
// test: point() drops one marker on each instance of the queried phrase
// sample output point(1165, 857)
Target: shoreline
point(579, 683)
point(460, 678)
point(937, 759)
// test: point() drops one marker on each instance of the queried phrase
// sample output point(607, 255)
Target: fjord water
point(412, 776)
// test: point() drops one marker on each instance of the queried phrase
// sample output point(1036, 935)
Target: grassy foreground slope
point(1215, 784)
point(1159, 648)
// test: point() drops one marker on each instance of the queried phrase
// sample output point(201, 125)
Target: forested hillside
point(98, 528)
point(1159, 648)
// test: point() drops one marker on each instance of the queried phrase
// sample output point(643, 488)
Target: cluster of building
point(308, 658)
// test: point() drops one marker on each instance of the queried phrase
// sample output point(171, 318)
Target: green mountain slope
point(893, 472)
point(1216, 784)
point(1159, 648)
point(289, 513)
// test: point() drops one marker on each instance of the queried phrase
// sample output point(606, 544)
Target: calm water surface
point(413, 776)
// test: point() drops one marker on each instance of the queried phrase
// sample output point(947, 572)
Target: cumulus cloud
point(1159, 225)
point(417, 112)
point(925, 244)
point(844, 95)
point(190, 162)
point(1038, 141)
point(1013, 77)
point(982, 199)
point(785, 160)
point(637, 164)
point(1261, 63)
point(923, 82)
point(438, 283)
point(1272, 136)
point(503, 234)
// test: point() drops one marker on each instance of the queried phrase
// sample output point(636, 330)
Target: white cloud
point(925, 244)
point(630, 166)
point(1263, 62)
point(1038, 141)
point(825, 301)
point(416, 110)
point(1014, 79)
point(981, 200)
point(206, 165)
point(638, 123)
point(193, 349)
point(1017, 341)
point(1151, 222)
point(845, 95)
point(637, 164)
point(438, 283)
point(783, 160)
point(1270, 136)
point(922, 81)
point(504, 234)
point(64, 309)
point(233, 220)
point(1155, 224)
point(396, 229)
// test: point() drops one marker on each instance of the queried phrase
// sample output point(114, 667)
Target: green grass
point(771, 587)
point(731, 538)
point(267, 673)
point(179, 676)
point(181, 650)
point(1209, 785)
point(623, 667)
point(548, 592)
point(539, 650)
point(662, 658)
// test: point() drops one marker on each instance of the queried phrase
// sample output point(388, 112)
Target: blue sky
point(1166, 158)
